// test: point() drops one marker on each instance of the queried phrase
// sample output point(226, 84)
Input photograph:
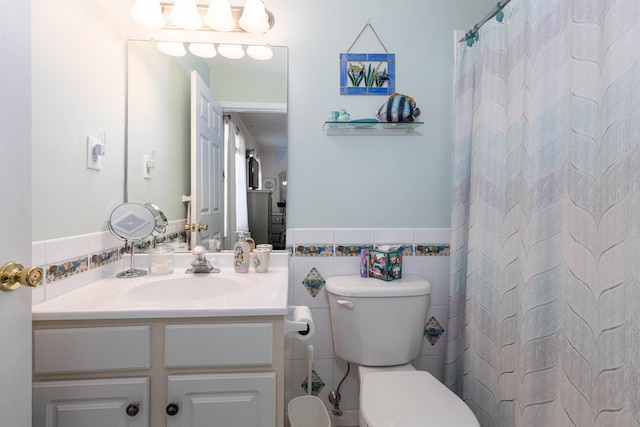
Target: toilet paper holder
point(301, 323)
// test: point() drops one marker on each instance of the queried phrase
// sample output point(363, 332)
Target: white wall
point(79, 71)
point(78, 86)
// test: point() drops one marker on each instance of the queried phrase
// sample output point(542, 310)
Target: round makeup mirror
point(160, 219)
point(133, 222)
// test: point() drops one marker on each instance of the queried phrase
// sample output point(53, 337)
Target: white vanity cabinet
point(183, 372)
point(222, 400)
point(96, 403)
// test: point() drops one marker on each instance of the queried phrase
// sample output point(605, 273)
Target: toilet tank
point(378, 323)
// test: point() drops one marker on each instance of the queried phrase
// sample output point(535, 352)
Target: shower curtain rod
point(471, 33)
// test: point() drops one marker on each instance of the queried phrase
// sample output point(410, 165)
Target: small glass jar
point(161, 261)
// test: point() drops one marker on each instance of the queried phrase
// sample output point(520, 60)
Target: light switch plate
point(146, 173)
point(93, 162)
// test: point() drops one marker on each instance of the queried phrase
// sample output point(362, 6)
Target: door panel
point(223, 400)
point(95, 403)
point(206, 163)
point(15, 216)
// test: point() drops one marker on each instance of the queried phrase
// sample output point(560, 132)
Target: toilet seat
point(411, 399)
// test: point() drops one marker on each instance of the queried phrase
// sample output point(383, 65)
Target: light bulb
point(254, 17)
point(231, 51)
point(172, 48)
point(185, 15)
point(147, 13)
point(261, 53)
point(219, 16)
point(203, 50)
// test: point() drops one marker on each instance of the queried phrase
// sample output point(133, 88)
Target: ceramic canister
point(261, 261)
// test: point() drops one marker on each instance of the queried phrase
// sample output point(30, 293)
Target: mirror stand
point(132, 271)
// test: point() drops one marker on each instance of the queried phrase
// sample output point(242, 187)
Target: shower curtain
point(544, 301)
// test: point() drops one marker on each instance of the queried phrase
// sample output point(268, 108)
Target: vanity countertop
point(176, 295)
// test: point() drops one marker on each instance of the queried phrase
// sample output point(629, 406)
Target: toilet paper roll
point(303, 314)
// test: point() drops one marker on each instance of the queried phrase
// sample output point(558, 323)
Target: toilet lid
point(411, 399)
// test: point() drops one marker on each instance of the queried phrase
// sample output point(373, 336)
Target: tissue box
point(385, 265)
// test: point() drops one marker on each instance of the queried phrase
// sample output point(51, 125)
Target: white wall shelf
point(355, 128)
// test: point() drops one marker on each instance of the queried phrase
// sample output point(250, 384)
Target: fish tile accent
point(350, 250)
point(62, 270)
point(313, 282)
point(433, 330)
point(105, 257)
point(317, 384)
point(314, 250)
point(431, 249)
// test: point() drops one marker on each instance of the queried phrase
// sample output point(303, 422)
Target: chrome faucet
point(200, 263)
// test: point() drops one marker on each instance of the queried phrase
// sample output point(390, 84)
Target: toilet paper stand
point(301, 323)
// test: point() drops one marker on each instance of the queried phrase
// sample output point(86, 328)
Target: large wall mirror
point(253, 97)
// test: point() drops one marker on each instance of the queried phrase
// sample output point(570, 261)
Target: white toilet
point(379, 326)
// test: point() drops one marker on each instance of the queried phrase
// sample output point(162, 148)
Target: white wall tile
point(393, 235)
point(358, 236)
point(38, 253)
point(431, 235)
point(99, 242)
point(64, 286)
point(436, 270)
point(408, 264)
point(347, 266)
point(66, 248)
point(312, 236)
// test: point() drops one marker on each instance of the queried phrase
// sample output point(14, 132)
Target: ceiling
point(268, 129)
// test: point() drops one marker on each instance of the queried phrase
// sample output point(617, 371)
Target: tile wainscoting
point(315, 255)
point(72, 262)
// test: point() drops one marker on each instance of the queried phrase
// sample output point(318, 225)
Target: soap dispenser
point(241, 254)
point(250, 241)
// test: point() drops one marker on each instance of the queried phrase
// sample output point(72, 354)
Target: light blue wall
point(361, 181)
point(333, 181)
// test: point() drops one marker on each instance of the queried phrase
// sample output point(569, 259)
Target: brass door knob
point(13, 274)
point(196, 227)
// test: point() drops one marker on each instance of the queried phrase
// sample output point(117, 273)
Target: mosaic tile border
point(346, 249)
point(146, 245)
point(72, 267)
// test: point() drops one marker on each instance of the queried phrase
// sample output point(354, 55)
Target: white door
point(15, 213)
point(207, 154)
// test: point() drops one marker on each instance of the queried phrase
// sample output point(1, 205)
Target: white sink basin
point(186, 288)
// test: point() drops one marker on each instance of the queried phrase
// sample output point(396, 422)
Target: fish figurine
point(398, 108)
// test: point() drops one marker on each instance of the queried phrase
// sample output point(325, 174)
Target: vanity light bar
point(236, 13)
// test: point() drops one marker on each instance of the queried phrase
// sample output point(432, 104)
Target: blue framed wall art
point(367, 73)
